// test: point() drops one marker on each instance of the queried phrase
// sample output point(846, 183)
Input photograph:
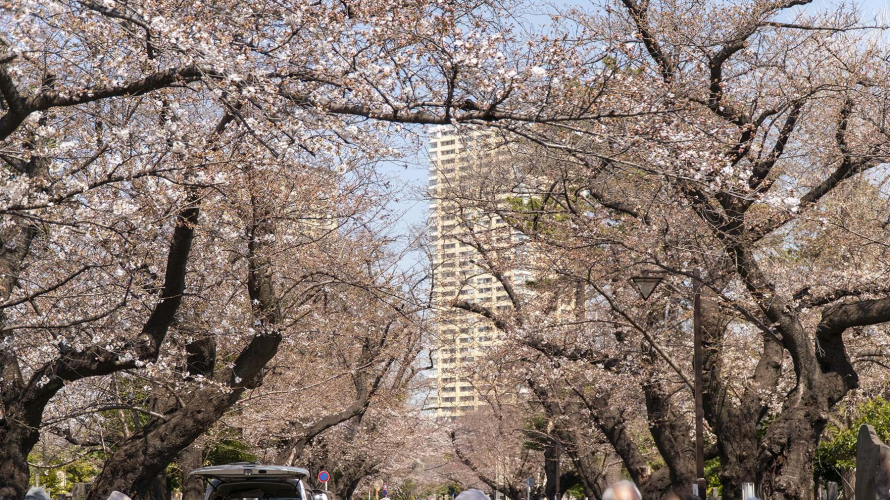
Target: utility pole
point(699, 406)
point(645, 284)
point(558, 469)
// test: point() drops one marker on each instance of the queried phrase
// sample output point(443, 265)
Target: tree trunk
point(138, 461)
point(149, 451)
point(848, 484)
point(734, 422)
point(16, 441)
point(737, 449)
point(785, 461)
point(671, 433)
point(155, 488)
point(551, 467)
point(190, 459)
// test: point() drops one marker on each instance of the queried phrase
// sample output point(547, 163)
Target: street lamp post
point(646, 284)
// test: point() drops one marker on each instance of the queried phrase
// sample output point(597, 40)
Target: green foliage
point(712, 474)
point(228, 451)
point(174, 477)
point(535, 432)
point(408, 490)
point(837, 450)
point(764, 424)
point(59, 480)
point(576, 491)
point(548, 213)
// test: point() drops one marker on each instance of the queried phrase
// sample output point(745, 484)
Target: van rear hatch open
point(242, 471)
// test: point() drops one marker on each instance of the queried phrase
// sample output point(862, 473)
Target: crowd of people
point(622, 490)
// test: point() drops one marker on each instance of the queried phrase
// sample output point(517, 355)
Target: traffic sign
point(530, 482)
point(323, 476)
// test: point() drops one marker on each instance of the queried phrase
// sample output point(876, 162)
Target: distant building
point(461, 217)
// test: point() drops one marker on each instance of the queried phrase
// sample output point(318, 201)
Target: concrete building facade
point(457, 226)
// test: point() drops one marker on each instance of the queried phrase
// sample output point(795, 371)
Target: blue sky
point(411, 174)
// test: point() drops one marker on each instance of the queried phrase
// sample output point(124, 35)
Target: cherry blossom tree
point(758, 130)
point(121, 121)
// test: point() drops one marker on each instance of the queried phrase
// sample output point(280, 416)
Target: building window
point(448, 399)
point(467, 398)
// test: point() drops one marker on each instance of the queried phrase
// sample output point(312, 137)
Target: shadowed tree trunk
point(190, 459)
point(24, 401)
point(551, 467)
point(148, 452)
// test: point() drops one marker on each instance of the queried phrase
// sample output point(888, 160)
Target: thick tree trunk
point(18, 435)
point(734, 422)
point(155, 488)
point(737, 449)
point(139, 460)
point(189, 460)
point(785, 461)
point(16, 441)
point(671, 433)
point(551, 467)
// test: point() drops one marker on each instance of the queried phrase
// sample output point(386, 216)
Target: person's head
point(679, 494)
point(472, 495)
point(622, 490)
point(37, 494)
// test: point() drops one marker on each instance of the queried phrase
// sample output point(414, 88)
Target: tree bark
point(16, 441)
point(785, 462)
point(23, 402)
point(551, 467)
point(191, 458)
point(149, 451)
